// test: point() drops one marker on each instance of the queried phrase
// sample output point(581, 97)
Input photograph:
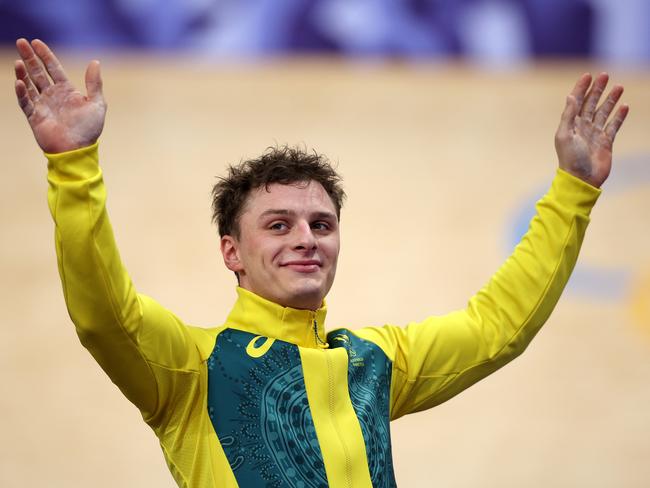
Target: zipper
point(331, 397)
point(320, 343)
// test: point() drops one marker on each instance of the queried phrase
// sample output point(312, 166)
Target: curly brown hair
point(284, 165)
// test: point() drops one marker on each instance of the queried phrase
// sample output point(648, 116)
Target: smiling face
point(288, 244)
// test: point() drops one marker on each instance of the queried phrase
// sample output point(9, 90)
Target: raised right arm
point(144, 348)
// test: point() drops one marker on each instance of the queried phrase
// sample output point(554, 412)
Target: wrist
point(578, 181)
point(574, 192)
point(76, 164)
point(585, 173)
point(62, 145)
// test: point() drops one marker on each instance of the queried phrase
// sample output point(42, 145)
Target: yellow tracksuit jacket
point(269, 399)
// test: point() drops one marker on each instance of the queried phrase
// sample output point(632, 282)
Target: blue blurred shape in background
point(492, 31)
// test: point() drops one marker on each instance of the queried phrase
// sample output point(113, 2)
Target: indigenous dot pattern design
point(369, 373)
point(260, 413)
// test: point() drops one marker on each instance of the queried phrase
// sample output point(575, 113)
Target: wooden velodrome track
point(438, 161)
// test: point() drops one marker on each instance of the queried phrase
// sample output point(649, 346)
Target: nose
point(304, 237)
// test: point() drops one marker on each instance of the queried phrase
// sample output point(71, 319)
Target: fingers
point(25, 91)
point(568, 115)
point(94, 82)
point(587, 96)
point(21, 74)
point(52, 64)
point(34, 68)
point(23, 99)
point(602, 114)
point(580, 89)
point(596, 91)
point(615, 124)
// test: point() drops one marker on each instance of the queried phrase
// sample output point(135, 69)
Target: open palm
point(585, 138)
point(61, 117)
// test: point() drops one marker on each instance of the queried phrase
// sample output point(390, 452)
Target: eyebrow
point(282, 211)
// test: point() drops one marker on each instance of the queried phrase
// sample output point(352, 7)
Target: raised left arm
point(437, 358)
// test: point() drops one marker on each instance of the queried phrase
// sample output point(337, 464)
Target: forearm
point(505, 315)
point(100, 297)
point(144, 348)
point(96, 288)
point(521, 295)
point(437, 358)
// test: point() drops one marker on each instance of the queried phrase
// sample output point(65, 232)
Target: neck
point(257, 315)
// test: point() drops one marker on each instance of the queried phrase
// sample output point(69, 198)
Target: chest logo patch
point(255, 351)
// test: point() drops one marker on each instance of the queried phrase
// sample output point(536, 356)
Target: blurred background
point(440, 115)
point(500, 31)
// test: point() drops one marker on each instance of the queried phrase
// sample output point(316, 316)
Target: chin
point(310, 298)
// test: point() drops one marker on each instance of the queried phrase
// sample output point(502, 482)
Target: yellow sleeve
point(438, 358)
point(143, 348)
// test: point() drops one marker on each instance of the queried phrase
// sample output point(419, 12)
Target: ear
point(230, 253)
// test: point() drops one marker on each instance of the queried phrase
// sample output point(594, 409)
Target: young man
point(270, 398)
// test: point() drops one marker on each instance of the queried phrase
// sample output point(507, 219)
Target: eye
point(320, 225)
point(279, 226)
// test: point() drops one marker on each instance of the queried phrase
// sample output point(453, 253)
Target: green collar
point(254, 314)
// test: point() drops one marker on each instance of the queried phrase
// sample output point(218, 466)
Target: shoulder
point(205, 338)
